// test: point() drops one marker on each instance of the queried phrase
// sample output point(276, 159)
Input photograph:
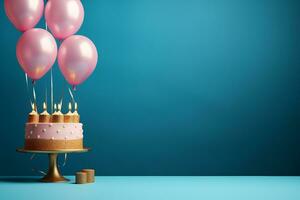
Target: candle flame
point(55, 107)
point(44, 106)
point(59, 107)
point(70, 106)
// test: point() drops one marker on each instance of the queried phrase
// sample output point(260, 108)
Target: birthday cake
point(53, 132)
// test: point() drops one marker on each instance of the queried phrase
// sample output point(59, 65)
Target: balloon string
point(46, 26)
point(27, 87)
point(62, 96)
point(46, 96)
point(42, 172)
point(32, 156)
point(51, 76)
point(65, 159)
point(35, 170)
point(71, 94)
point(51, 87)
point(34, 95)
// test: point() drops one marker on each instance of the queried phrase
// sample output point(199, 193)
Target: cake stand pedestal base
point(53, 175)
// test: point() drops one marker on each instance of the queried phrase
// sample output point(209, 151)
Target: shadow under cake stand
point(53, 174)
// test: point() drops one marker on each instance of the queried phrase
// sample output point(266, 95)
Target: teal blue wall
point(182, 87)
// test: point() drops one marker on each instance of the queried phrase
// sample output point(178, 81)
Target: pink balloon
point(24, 14)
point(77, 58)
point(36, 52)
point(64, 17)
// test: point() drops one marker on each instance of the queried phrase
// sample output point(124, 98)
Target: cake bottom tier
point(43, 144)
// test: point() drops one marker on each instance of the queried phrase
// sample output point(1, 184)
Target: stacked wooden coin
point(81, 177)
point(90, 175)
point(85, 176)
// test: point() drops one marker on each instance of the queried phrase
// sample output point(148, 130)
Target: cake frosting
point(53, 136)
point(54, 131)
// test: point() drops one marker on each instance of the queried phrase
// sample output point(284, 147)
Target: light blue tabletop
point(155, 188)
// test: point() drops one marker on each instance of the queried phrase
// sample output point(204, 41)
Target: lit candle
point(44, 116)
point(57, 116)
point(68, 117)
point(33, 116)
point(76, 116)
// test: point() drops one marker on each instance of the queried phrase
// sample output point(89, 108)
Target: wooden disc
point(81, 177)
point(90, 175)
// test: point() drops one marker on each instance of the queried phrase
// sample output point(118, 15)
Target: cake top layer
point(54, 131)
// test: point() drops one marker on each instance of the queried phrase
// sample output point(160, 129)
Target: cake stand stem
point(53, 174)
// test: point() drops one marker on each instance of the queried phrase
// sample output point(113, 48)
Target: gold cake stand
point(53, 175)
